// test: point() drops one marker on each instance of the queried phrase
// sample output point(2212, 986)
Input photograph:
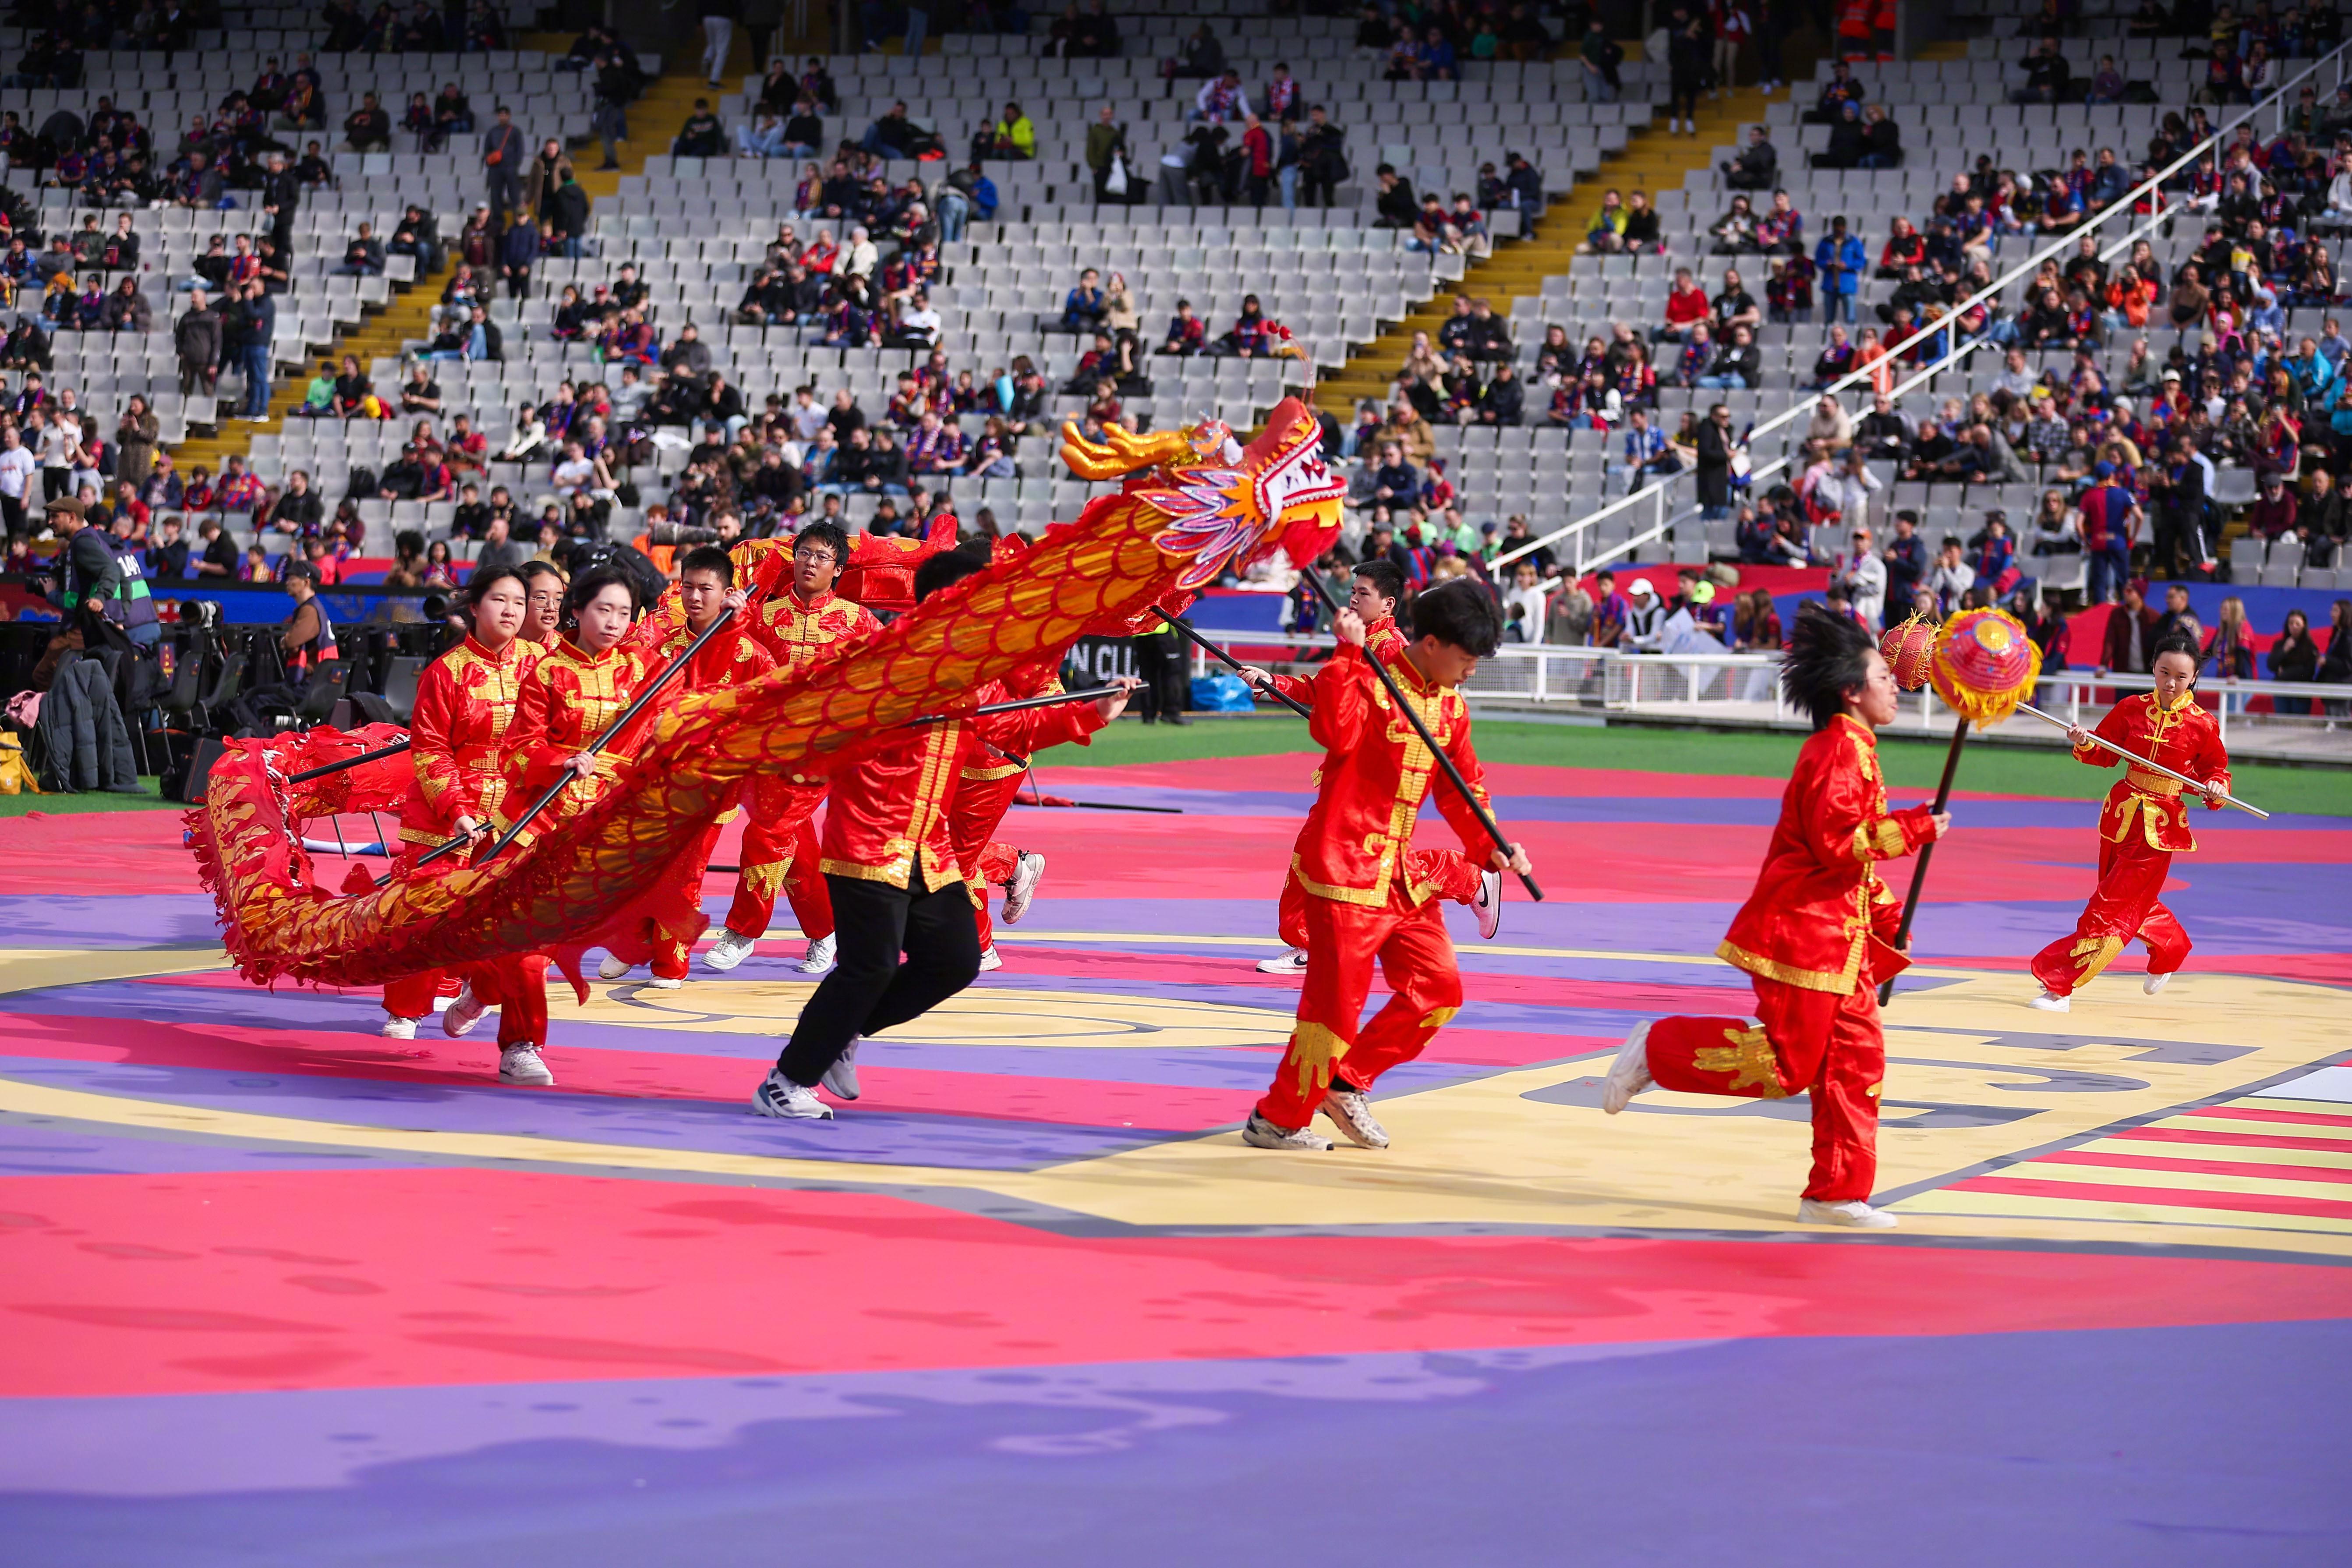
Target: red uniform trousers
point(1343, 942)
point(780, 851)
point(1448, 871)
point(1814, 1042)
point(980, 807)
point(516, 985)
point(2126, 904)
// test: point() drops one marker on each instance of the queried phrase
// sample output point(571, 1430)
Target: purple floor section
point(2149, 1449)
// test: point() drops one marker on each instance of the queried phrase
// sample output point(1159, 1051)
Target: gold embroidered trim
point(1747, 1057)
point(2092, 954)
point(1315, 1048)
point(1840, 983)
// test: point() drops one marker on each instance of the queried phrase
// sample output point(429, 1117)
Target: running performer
point(1363, 905)
point(985, 792)
point(706, 585)
point(1813, 936)
point(806, 622)
point(1379, 585)
point(458, 731)
point(2144, 823)
point(907, 938)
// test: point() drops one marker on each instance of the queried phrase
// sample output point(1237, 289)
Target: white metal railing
point(2151, 189)
point(1605, 678)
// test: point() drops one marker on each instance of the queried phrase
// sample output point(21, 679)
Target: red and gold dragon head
point(1225, 504)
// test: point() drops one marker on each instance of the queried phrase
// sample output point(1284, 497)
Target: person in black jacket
point(1504, 400)
point(1715, 443)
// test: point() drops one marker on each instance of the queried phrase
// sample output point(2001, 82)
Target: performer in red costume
point(706, 583)
point(985, 792)
point(890, 863)
point(2144, 823)
point(798, 627)
point(457, 736)
point(1378, 584)
point(577, 689)
point(1813, 936)
point(1363, 904)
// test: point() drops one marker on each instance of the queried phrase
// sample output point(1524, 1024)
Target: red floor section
point(146, 1285)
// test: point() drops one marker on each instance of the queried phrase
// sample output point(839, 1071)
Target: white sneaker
point(396, 1028)
point(463, 1015)
point(988, 959)
point(1293, 963)
point(1489, 904)
point(1857, 1214)
point(1351, 1111)
point(520, 1064)
point(840, 1080)
point(668, 982)
point(1260, 1133)
point(1028, 870)
point(1629, 1075)
point(612, 968)
point(2155, 982)
point(781, 1096)
point(819, 956)
point(2050, 1002)
point(731, 949)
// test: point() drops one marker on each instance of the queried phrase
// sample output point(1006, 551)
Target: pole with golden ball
point(1982, 663)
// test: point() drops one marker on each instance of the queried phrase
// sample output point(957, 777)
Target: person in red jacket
point(902, 917)
point(1364, 906)
point(2143, 824)
point(465, 705)
point(1378, 584)
point(804, 623)
point(706, 585)
point(1813, 935)
point(984, 790)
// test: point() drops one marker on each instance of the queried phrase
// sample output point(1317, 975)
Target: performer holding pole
point(465, 707)
point(907, 940)
point(1811, 935)
point(2143, 824)
point(1378, 586)
point(1362, 905)
point(707, 590)
point(985, 792)
point(799, 625)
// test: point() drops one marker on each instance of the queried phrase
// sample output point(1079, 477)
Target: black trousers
point(870, 988)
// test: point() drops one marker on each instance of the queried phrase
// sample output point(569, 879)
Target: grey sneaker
point(1260, 1133)
point(819, 956)
point(731, 949)
point(1629, 1075)
point(781, 1096)
point(1028, 870)
point(1351, 1111)
point(840, 1080)
point(457, 1019)
point(612, 968)
point(521, 1064)
point(1857, 1214)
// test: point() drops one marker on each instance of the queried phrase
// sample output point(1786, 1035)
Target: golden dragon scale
point(1195, 502)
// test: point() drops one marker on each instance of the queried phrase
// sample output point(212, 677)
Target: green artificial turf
point(97, 800)
point(1995, 770)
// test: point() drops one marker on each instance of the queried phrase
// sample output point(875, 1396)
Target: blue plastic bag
point(1220, 693)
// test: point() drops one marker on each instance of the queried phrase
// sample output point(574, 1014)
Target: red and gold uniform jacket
point(1818, 900)
point(890, 812)
point(731, 658)
point(795, 632)
point(458, 737)
point(988, 761)
point(567, 701)
point(2144, 803)
point(1381, 636)
point(1375, 775)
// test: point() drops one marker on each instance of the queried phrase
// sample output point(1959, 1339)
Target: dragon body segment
point(1195, 502)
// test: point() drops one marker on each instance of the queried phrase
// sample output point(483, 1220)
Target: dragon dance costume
point(1814, 937)
point(734, 657)
point(985, 792)
point(459, 737)
point(2143, 824)
point(1364, 902)
point(1449, 873)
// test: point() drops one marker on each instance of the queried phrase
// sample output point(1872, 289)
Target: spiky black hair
point(1828, 655)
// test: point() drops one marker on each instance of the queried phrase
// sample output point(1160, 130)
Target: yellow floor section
point(1980, 1088)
